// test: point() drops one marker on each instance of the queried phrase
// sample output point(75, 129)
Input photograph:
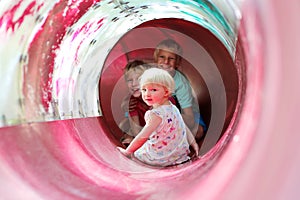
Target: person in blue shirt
point(167, 57)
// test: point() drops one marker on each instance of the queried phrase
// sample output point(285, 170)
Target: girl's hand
point(195, 147)
point(124, 152)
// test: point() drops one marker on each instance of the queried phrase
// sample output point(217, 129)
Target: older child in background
point(165, 139)
point(168, 57)
point(133, 104)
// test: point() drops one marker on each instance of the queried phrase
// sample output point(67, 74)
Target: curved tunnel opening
point(197, 42)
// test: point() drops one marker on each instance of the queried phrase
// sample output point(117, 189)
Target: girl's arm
point(125, 103)
point(135, 126)
point(192, 141)
point(189, 119)
point(151, 125)
point(124, 125)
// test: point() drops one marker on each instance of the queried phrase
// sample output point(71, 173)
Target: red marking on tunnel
point(46, 42)
point(85, 29)
point(7, 17)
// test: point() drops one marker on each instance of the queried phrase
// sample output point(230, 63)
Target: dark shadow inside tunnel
point(112, 87)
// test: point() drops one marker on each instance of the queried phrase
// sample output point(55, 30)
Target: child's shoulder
point(179, 76)
point(163, 110)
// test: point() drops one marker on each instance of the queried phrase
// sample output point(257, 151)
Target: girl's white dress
point(168, 145)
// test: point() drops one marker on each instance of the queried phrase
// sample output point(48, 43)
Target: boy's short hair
point(134, 66)
point(158, 76)
point(171, 46)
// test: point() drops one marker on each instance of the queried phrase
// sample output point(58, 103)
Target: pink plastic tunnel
point(61, 70)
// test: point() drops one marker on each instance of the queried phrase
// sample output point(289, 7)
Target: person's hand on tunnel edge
point(124, 152)
point(195, 147)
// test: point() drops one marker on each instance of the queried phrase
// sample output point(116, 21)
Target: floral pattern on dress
point(167, 145)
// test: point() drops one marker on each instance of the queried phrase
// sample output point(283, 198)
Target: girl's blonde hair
point(158, 76)
point(137, 66)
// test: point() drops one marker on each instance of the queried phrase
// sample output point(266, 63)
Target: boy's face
point(166, 60)
point(133, 84)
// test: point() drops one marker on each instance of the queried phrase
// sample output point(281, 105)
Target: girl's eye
point(154, 90)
